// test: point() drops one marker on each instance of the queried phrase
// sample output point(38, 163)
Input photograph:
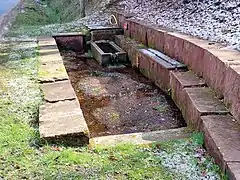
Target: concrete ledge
point(141, 138)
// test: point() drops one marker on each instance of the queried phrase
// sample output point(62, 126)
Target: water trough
point(107, 52)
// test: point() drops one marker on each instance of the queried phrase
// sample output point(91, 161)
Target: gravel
point(214, 20)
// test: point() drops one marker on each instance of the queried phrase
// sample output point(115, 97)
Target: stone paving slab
point(233, 170)
point(52, 71)
point(59, 109)
point(142, 138)
point(181, 80)
point(58, 91)
point(198, 102)
point(63, 122)
point(222, 138)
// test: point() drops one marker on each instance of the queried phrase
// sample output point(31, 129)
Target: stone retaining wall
point(220, 67)
point(203, 108)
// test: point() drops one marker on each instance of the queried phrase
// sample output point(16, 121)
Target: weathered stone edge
point(50, 41)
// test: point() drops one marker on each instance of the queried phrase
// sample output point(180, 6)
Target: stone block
point(233, 170)
point(179, 81)
point(221, 133)
point(199, 102)
point(75, 43)
point(108, 34)
point(173, 46)
point(156, 66)
point(232, 90)
point(192, 56)
point(58, 91)
point(215, 64)
point(63, 122)
point(155, 38)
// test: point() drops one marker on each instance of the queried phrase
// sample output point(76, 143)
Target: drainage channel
point(119, 100)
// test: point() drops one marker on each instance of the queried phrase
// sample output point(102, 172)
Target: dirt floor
point(119, 100)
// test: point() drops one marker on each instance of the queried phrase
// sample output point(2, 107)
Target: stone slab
point(46, 41)
point(222, 138)
point(59, 109)
point(68, 34)
point(141, 138)
point(58, 91)
point(52, 71)
point(179, 81)
point(156, 68)
point(233, 170)
point(63, 122)
point(199, 102)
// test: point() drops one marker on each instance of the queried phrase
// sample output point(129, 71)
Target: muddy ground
point(119, 100)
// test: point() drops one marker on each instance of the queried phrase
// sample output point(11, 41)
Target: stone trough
point(107, 52)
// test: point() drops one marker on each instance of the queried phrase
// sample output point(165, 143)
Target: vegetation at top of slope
point(34, 14)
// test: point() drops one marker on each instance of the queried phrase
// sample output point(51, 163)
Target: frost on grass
point(19, 76)
point(188, 160)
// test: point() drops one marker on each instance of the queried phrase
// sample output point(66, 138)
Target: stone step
point(222, 140)
point(142, 137)
point(181, 80)
point(193, 98)
point(199, 102)
point(63, 122)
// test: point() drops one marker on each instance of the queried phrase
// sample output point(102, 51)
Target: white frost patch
point(185, 161)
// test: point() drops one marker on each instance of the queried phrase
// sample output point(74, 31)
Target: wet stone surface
point(119, 100)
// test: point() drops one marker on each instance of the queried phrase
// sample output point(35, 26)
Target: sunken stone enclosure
point(86, 102)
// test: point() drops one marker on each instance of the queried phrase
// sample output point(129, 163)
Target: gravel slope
point(214, 20)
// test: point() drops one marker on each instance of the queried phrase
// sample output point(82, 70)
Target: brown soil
point(119, 100)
